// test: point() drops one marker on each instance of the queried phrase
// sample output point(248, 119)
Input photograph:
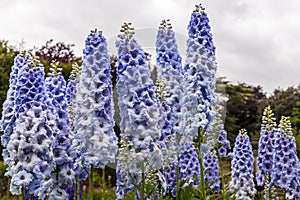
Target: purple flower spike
point(95, 141)
point(62, 151)
point(265, 147)
point(31, 160)
point(242, 183)
point(169, 69)
point(9, 110)
point(211, 170)
point(286, 167)
point(199, 69)
point(139, 113)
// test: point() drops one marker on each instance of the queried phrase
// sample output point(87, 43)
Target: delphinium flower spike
point(72, 82)
point(7, 122)
point(266, 151)
point(286, 168)
point(242, 183)
point(30, 146)
point(219, 145)
point(71, 92)
point(169, 68)
point(211, 171)
point(199, 69)
point(139, 113)
point(62, 151)
point(94, 140)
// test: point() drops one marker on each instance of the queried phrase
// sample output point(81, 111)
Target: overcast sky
point(257, 41)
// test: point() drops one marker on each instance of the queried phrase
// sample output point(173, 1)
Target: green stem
point(103, 178)
point(7, 191)
point(177, 169)
point(223, 192)
point(22, 196)
point(200, 157)
point(177, 183)
point(77, 186)
point(143, 183)
point(91, 187)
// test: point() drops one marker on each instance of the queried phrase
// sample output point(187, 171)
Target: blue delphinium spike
point(189, 167)
point(211, 170)
point(72, 82)
point(138, 110)
point(62, 151)
point(94, 140)
point(217, 137)
point(286, 168)
point(169, 69)
point(266, 151)
point(30, 146)
point(7, 122)
point(242, 183)
point(199, 69)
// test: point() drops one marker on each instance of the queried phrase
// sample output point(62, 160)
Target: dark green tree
point(242, 108)
point(7, 55)
point(295, 117)
point(282, 101)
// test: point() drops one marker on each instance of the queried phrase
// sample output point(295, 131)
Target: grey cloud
point(257, 41)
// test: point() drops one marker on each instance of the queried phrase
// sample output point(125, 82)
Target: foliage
point(242, 108)
point(7, 55)
point(295, 117)
point(283, 101)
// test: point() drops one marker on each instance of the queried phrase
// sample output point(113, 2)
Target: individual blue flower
point(95, 141)
point(138, 110)
point(58, 193)
point(242, 183)
point(20, 179)
point(199, 69)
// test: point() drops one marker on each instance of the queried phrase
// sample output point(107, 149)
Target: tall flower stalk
point(9, 110)
point(30, 144)
point(169, 69)
point(62, 151)
point(199, 70)
point(71, 101)
point(266, 152)
point(72, 83)
point(286, 168)
point(95, 141)
point(242, 179)
point(219, 145)
point(139, 115)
